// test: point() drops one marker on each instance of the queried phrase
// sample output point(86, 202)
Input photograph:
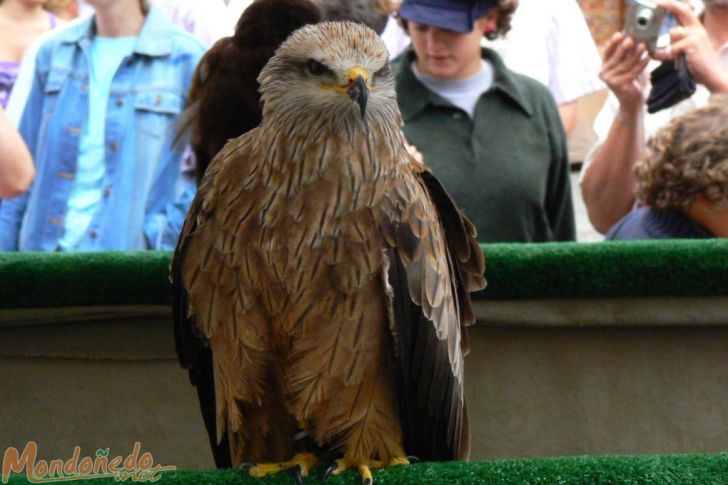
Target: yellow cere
point(351, 76)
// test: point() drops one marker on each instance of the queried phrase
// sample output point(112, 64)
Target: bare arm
point(568, 112)
point(16, 165)
point(608, 185)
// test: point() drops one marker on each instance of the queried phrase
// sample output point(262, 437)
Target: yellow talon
point(396, 461)
point(366, 474)
point(304, 460)
point(340, 466)
point(399, 460)
point(264, 469)
point(364, 469)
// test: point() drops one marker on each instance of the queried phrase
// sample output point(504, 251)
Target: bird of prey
point(322, 276)
point(224, 99)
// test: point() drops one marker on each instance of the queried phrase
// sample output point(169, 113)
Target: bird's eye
point(316, 68)
point(383, 71)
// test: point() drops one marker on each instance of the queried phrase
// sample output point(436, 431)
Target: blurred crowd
point(93, 94)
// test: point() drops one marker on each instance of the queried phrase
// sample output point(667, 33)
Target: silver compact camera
point(643, 22)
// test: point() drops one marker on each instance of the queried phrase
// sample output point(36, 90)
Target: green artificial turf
point(47, 280)
point(617, 470)
point(607, 270)
point(514, 271)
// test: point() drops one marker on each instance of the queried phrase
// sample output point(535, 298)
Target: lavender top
point(8, 73)
point(9, 70)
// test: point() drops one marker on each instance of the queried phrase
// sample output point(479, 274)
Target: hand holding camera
point(647, 20)
point(691, 39)
point(690, 53)
point(671, 82)
point(623, 71)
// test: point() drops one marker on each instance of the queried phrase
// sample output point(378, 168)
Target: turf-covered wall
point(580, 349)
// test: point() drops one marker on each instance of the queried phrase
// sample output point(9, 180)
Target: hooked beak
point(357, 88)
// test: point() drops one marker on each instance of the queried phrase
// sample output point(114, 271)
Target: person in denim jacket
point(99, 122)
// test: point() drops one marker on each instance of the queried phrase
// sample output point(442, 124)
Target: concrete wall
point(106, 378)
point(99, 381)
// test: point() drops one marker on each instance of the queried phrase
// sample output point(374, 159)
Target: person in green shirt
point(491, 136)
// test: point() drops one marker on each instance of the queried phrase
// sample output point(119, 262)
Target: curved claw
point(413, 459)
point(297, 474)
point(331, 470)
point(246, 464)
point(366, 475)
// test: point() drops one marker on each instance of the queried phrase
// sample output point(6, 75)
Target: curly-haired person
point(683, 179)
point(493, 137)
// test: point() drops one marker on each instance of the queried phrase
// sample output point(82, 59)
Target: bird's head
point(337, 71)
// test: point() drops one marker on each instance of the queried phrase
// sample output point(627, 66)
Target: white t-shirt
point(463, 93)
point(551, 42)
point(106, 55)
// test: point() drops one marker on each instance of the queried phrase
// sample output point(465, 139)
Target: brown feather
point(317, 264)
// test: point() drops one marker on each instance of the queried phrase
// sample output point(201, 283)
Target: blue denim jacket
point(146, 195)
